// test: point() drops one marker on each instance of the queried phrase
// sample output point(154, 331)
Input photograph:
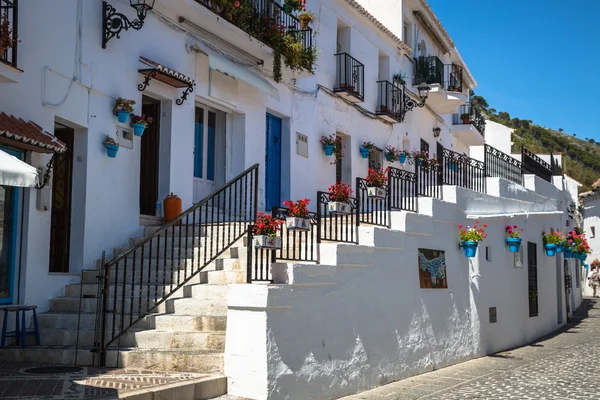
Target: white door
point(205, 151)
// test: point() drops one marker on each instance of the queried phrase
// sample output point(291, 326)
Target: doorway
point(149, 158)
point(209, 151)
point(62, 191)
point(273, 163)
point(8, 235)
point(568, 284)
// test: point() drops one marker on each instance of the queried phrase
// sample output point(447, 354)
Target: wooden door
point(205, 152)
point(149, 158)
point(62, 186)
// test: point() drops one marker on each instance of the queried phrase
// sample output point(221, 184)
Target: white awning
point(14, 172)
point(222, 64)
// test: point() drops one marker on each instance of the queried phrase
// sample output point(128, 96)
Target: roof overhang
point(18, 133)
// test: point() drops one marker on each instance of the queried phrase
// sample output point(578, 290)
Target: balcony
point(262, 19)
point(390, 105)
point(8, 56)
point(469, 125)
point(446, 80)
point(349, 78)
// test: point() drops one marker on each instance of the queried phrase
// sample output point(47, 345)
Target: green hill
point(581, 158)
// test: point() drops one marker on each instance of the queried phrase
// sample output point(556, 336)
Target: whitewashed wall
point(360, 320)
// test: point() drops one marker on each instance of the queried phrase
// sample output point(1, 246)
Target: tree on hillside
point(561, 130)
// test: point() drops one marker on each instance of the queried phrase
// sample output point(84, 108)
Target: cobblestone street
point(561, 366)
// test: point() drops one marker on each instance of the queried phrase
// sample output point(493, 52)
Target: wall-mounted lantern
point(409, 103)
point(113, 22)
point(436, 131)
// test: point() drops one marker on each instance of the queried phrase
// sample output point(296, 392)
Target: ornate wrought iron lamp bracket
point(46, 177)
point(113, 23)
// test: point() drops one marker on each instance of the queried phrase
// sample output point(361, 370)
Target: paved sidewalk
point(562, 366)
point(19, 382)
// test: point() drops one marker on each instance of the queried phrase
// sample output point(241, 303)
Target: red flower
point(237, 4)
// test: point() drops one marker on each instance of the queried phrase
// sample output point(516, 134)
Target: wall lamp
point(436, 131)
point(423, 89)
point(113, 22)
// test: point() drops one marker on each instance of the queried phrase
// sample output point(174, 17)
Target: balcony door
point(149, 159)
point(209, 151)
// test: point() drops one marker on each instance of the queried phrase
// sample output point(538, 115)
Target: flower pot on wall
point(376, 193)
point(329, 149)
point(364, 152)
point(390, 157)
point(514, 244)
point(568, 253)
point(297, 224)
point(559, 248)
point(338, 208)
point(402, 158)
point(111, 150)
point(550, 249)
point(266, 242)
point(582, 256)
point(122, 116)
point(138, 129)
point(470, 249)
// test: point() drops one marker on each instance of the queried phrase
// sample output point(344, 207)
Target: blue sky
point(536, 59)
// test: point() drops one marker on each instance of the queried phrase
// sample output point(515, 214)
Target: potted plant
point(290, 6)
point(470, 238)
point(383, 108)
point(112, 147)
point(297, 219)
point(8, 37)
point(328, 143)
point(339, 197)
point(391, 154)
point(139, 123)
point(422, 157)
point(574, 244)
point(123, 108)
point(306, 18)
point(513, 238)
point(366, 148)
point(550, 240)
point(466, 119)
point(376, 181)
point(265, 231)
point(400, 78)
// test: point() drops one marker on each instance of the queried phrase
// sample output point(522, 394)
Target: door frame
point(157, 124)
point(12, 260)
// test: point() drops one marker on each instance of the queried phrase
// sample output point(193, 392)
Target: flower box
point(376, 193)
point(267, 242)
point(338, 208)
point(514, 244)
point(470, 249)
point(550, 249)
point(297, 224)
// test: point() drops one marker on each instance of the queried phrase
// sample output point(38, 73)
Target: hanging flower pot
point(339, 196)
point(122, 109)
point(582, 256)
point(550, 249)
point(112, 147)
point(568, 253)
point(514, 244)
point(376, 193)
point(329, 149)
point(305, 19)
point(338, 208)
point(470, 249)
point(265, 232)
point(402, 158)
point(376, 180)
point(559, 248)
point(139, 123)
point(122, 116)
point(328, 143)
point(138, 129)
point(364, 152)
point(267, 242)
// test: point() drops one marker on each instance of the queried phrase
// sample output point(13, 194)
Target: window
point(376, 158)
point(592, 231)
point(424, 146)
point(532, 278)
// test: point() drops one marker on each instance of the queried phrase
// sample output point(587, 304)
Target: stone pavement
point(19, 382)
point(562, 366)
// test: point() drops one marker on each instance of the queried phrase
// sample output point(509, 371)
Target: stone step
point(164, 276)
point(230, 264)
point(223, 277)
point(183, 241)
point(199, 307)
point(53, 320)
point(161, 360)
point(204, 291)
point(155, 339)
point(71, 304)
point(174, 322)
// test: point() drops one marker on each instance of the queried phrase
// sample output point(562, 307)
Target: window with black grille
point(376, 158)
point(532, 278)
point(424, 146)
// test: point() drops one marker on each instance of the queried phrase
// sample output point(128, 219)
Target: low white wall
point(360, 319)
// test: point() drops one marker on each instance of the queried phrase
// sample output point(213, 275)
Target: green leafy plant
point(552, 238)
point(476, 233)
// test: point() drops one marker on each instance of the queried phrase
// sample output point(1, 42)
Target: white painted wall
point(498, 136)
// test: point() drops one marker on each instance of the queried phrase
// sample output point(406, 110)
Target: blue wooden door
point(8, 236)
point(273, 163)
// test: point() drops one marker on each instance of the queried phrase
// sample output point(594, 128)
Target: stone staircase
point(184, 333)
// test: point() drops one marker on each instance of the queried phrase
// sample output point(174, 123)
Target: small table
point(19, 333)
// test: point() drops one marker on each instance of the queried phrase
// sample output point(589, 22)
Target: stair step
point(228, 229)
point(53, 320)
point(205, 291)
point(230, 264)
point(175, 253)
point(175, 322)
point(164, 276)
point(71, 304)
point(200, 307)
point(155, 339)
point(183, 241)
point(224, 277)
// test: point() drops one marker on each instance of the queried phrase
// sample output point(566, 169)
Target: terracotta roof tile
point(30, 134)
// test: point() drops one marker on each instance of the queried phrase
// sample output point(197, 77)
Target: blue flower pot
point(586, 266)
point(550, 249)
point(559, 248)
point(568, 253)
point(122, 116)
point(364, 152)
point(390, 157)
point(111, 150)
point(420, 161)
point(138, 129)
point(402, 158)
point(453, 166)
point(582, 256)
point(470, 249)
point(328, 149)
point(514, 244)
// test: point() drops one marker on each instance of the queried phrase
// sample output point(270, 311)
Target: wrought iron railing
point(502, 165)
point(532, 164)
point(428, 178)
point(429, 70)
point(335, 227)
point(132, 284)
point(556, 167)
point(9, 15)
point(260, 18)
point(476, 118)
point(464, 171)
point(370, 209)
point(349, 76)
point(402, 187)
point(453, 78)
point(390, 100)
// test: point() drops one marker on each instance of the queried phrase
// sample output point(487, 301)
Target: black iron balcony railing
point(390, 100)
point(350, 76)
point(532, 164)
point(9, 14)
point(262, 19)
point(432, 70)
point(468, 114)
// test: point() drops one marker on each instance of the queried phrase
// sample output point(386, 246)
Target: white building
point(217, 111)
